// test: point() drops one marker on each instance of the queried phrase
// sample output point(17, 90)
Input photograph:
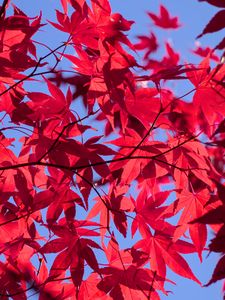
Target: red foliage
point(73, 186)
point(164, 20)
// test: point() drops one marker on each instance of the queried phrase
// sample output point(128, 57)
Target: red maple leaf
point(164, 20)
point(164, 253)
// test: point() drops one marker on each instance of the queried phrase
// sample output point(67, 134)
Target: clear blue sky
point(193, 15)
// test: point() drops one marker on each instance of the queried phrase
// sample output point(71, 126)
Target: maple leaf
point(46, 286)
point(203, 79)
point(43, 102)
point(11, 282)
point(164, 20)
point(219, 272)
point(114, 206)
point(164, 252)
point(192, 206)
point(217, 243)
point(204, 52)
point(122, 279)
point(214, 2)
point(215, 24)
point(147, 43)
point(166, 66)
point(148, 211)
point(80, 247)
point(89, 290)
point(221, 45)
point(142, 164)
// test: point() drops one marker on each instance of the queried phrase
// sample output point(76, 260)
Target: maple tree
point(106, 150)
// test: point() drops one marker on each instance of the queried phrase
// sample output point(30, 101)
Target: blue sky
point(193, 16)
